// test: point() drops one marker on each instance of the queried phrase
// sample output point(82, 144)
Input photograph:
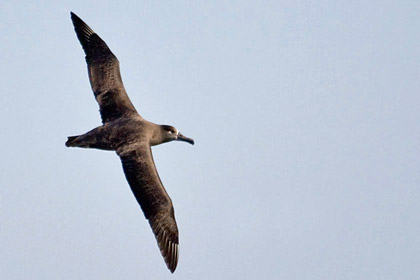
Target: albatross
point(124, 131)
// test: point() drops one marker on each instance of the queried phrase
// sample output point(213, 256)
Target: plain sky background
point(307, 127)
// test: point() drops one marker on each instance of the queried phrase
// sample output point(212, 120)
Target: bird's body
point(131, 137)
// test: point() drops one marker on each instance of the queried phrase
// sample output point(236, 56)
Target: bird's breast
point(129, 131)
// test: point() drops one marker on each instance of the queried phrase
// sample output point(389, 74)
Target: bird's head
point(170, 133)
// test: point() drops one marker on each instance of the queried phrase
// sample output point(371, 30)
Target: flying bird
point(124, 131)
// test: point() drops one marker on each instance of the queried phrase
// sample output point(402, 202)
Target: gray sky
point(307, 127)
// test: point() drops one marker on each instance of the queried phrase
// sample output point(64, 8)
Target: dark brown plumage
point(131, 136)
point(104, 74)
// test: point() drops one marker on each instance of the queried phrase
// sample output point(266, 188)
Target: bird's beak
point(181, 137)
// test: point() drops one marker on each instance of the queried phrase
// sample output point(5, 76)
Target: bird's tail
point(71, 141)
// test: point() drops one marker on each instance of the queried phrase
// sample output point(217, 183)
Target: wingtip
point(75, 18)
point(169, 249)
point(174, 258)
point(172, 268)
point(171, 258)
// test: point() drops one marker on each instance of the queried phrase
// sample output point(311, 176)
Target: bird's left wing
point(142, 176)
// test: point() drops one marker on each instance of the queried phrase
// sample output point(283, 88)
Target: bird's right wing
point(142, 176)
point(104, 73)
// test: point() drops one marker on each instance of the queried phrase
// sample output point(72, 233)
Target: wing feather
point(104, 73)
point(142, 176)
